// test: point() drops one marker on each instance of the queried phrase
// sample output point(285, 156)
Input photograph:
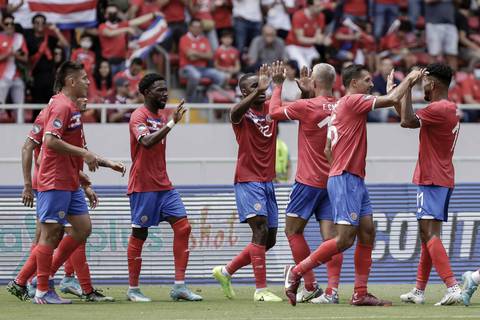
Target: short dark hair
point(227, 33)
point(310, 2)
point(137, 61)
point(245, 77)
point(7, 16)
point(148, 80)
point(66, 69)
point(294, 65)
point(351, 72)
point(39, 15)
point(440, 71)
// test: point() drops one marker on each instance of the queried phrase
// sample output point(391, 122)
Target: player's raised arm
point(305, 83)
point(27, 156)
point(276, 111)
point(394, 96)
point(237, 112)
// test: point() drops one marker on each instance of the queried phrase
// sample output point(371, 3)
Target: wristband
point(171, 124)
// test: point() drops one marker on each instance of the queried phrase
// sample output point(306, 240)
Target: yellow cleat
point(265, 295)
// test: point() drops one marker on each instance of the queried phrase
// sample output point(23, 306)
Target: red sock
point(300, 251)
point(68, 266)
point(239, 261)
point(257, 256)
point(80, 264)
point(323, 254)
point(181, 235)
point(44, 255)
point(65, 249)
point(28, 269)
point(134, 254)
point(334, 267)
point(441, 262)
point(363, 264)
point(424, 268)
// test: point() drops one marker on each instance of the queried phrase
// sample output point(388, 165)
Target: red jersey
point(145, 7)
point(348, 133)
point(85, 57)
point(8, 66)
point(356, 8)
point(190, 42)
point(60, 171)
point(256, 138)
point(222, 15)
point(36, 135)
point(440, 125)
point(204, 11)
point(174, 11)
point(308, 24)
point(314, 116)
point(149, 170)
point(471, 86)
point(226, 57)
point(133, 81)
point(113, 47)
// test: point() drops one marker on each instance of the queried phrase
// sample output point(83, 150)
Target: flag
point(156, 33)
point(67, 14)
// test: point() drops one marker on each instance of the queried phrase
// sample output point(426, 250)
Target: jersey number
point(455, 132)
point(419, 201)
point(332, 132)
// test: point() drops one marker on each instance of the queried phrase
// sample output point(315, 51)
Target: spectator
point(174, 12)
point(133, 74)
point(380, 89)
point(84, 54)
point(401, 44)
point(195, 52)
point(8, 8)
point(139, 8)
point(266, 48)
point(441, 31)
point(121, 96)
point(41, 44)
point(385, 12)
point(247, 22)
point(13, 51)
point(202, 10)
point(102, 86)
point(278, 15)
point(470, 90)
point(290, 90)
point(222, 15)
point(469, 49)
point(307, 26)
point(354, 9)
point(227, 57)
point(113, 36)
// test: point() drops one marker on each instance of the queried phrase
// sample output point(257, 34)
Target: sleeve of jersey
point(138, 126)
point(428, 116)
point(362, 103)
point(36, 133)
point(57, 121)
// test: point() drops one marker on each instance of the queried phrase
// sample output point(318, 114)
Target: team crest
point(367, 97)
point(353, 216)
point(257, 206)
point(61, 214)
point(144, 219)
point(141, 127)
point(57, 123)
point(36, 129)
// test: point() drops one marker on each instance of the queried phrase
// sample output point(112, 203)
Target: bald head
point(323, 74)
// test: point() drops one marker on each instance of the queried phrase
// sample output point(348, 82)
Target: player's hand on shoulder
point(179, 111)
point(264, 78)
point(278, 72)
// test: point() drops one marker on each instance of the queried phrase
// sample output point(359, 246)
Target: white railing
point(20, 108)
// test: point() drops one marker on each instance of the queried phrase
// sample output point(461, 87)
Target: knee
point(182, 228)
point(271, 243)
point(345, 241)
point(427, 235)
point(140, 233)
point(260, 230)
point(291, 230)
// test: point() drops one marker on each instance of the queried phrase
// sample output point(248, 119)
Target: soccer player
point(77, 261)
point(59, 197)
point(439, 125)
point(309, 194)
point(352, 211)
point(152, 196)
point(470, 285)
point(254, 191)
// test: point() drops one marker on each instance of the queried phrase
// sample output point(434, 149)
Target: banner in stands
point(217, 236)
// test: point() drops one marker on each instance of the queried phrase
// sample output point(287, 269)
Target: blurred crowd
point(212, 42)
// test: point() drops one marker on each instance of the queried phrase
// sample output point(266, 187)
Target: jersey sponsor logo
point(75, 121)
point(57, 123)
point(261, 122)
point(36, 129)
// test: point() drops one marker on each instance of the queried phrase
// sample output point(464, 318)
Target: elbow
point(407, 124)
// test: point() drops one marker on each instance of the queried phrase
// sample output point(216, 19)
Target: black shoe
point(18, 291)
point(97, 296)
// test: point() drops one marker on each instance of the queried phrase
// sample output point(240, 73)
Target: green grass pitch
point(216, 306)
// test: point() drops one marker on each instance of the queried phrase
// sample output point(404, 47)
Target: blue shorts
point(349, 197)
point(256, 199)
point(432, 202)
point(150, 208)
point(307, 200)
point(53, 206)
